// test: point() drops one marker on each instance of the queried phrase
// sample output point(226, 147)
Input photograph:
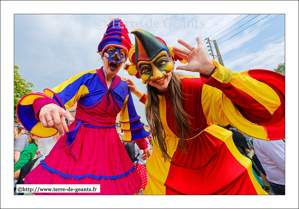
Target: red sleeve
point(143, 99)
point(39, 103)
point(141, 143)
point(256, 105)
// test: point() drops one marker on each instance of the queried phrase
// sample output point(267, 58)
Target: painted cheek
point(145, 77)
point(122, 60)
point(106, 55)
point(168, 67)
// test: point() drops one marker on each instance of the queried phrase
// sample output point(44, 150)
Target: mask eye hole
point(122, 53)
point(145, 70)
point(110, 50)
point(161, 64)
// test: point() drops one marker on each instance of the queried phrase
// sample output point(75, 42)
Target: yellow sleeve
point(227, 96)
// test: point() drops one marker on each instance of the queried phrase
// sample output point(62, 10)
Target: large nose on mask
point(157, 74)
point(115, 57)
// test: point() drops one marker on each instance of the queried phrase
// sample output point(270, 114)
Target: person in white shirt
point(272, 157)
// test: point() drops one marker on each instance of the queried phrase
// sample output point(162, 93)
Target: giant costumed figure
point(90, 151)
point(191, 154)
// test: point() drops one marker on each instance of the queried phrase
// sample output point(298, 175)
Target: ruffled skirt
point(96, 156)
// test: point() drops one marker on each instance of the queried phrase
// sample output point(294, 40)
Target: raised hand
point(53, 116)
point(198, 58)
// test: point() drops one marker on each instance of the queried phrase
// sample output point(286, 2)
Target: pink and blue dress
point(91, 152)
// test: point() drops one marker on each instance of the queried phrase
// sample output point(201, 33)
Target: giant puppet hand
point(51, 115)
point(198, 58)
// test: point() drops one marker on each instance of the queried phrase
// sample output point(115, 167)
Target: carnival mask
point(115, 54)
point(115, 43)
point(153, 59)
point(155, 68)
point(150, 57)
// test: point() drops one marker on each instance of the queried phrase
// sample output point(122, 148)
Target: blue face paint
point(115, 54)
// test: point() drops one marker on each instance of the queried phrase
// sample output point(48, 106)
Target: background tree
point(21, 88)
point(280, 69)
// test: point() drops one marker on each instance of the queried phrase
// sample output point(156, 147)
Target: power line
point(225, 25)
point(231, 26)
point(246, 28)
point(253, 30)
point(238, 27)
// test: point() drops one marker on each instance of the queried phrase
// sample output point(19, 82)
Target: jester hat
point(116, 35)
point(146, 48)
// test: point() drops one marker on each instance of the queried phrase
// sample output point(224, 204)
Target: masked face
point(115, 55)
point(156, 69)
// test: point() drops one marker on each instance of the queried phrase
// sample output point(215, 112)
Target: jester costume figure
point(91, 152)
point(252, 101)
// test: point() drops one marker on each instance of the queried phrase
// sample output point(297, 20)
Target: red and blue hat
point(116, 35)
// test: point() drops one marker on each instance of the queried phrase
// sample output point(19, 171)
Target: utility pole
point(210, 47)
point(218, 55)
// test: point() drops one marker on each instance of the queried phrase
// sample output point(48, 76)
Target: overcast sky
point(49, 49)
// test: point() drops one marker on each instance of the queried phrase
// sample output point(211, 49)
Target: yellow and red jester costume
point(252, 101)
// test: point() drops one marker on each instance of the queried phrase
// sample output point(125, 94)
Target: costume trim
point(195, 135)
point(156, 163)
point(91, 176)
point(222, 74)
point(188, 76)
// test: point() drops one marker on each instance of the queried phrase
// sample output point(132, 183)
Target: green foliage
point(280, 69)
point(21, 88)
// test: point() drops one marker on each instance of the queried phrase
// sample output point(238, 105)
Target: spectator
point(140, 165)
point(20, 143)
point(15, 134)
point(45, 145)
point(15, 139)
point(239, 140)
point(138, 158)
point(255, 169)
point(247, 151)
point(272, 157)
point(27, 154)
point(120, 134)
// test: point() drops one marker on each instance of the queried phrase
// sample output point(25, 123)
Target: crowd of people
point(200, 125)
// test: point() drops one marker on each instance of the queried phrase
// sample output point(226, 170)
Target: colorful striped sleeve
point(252, 101)
point(132, 127)
point(73, 89)
point(65, 95)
